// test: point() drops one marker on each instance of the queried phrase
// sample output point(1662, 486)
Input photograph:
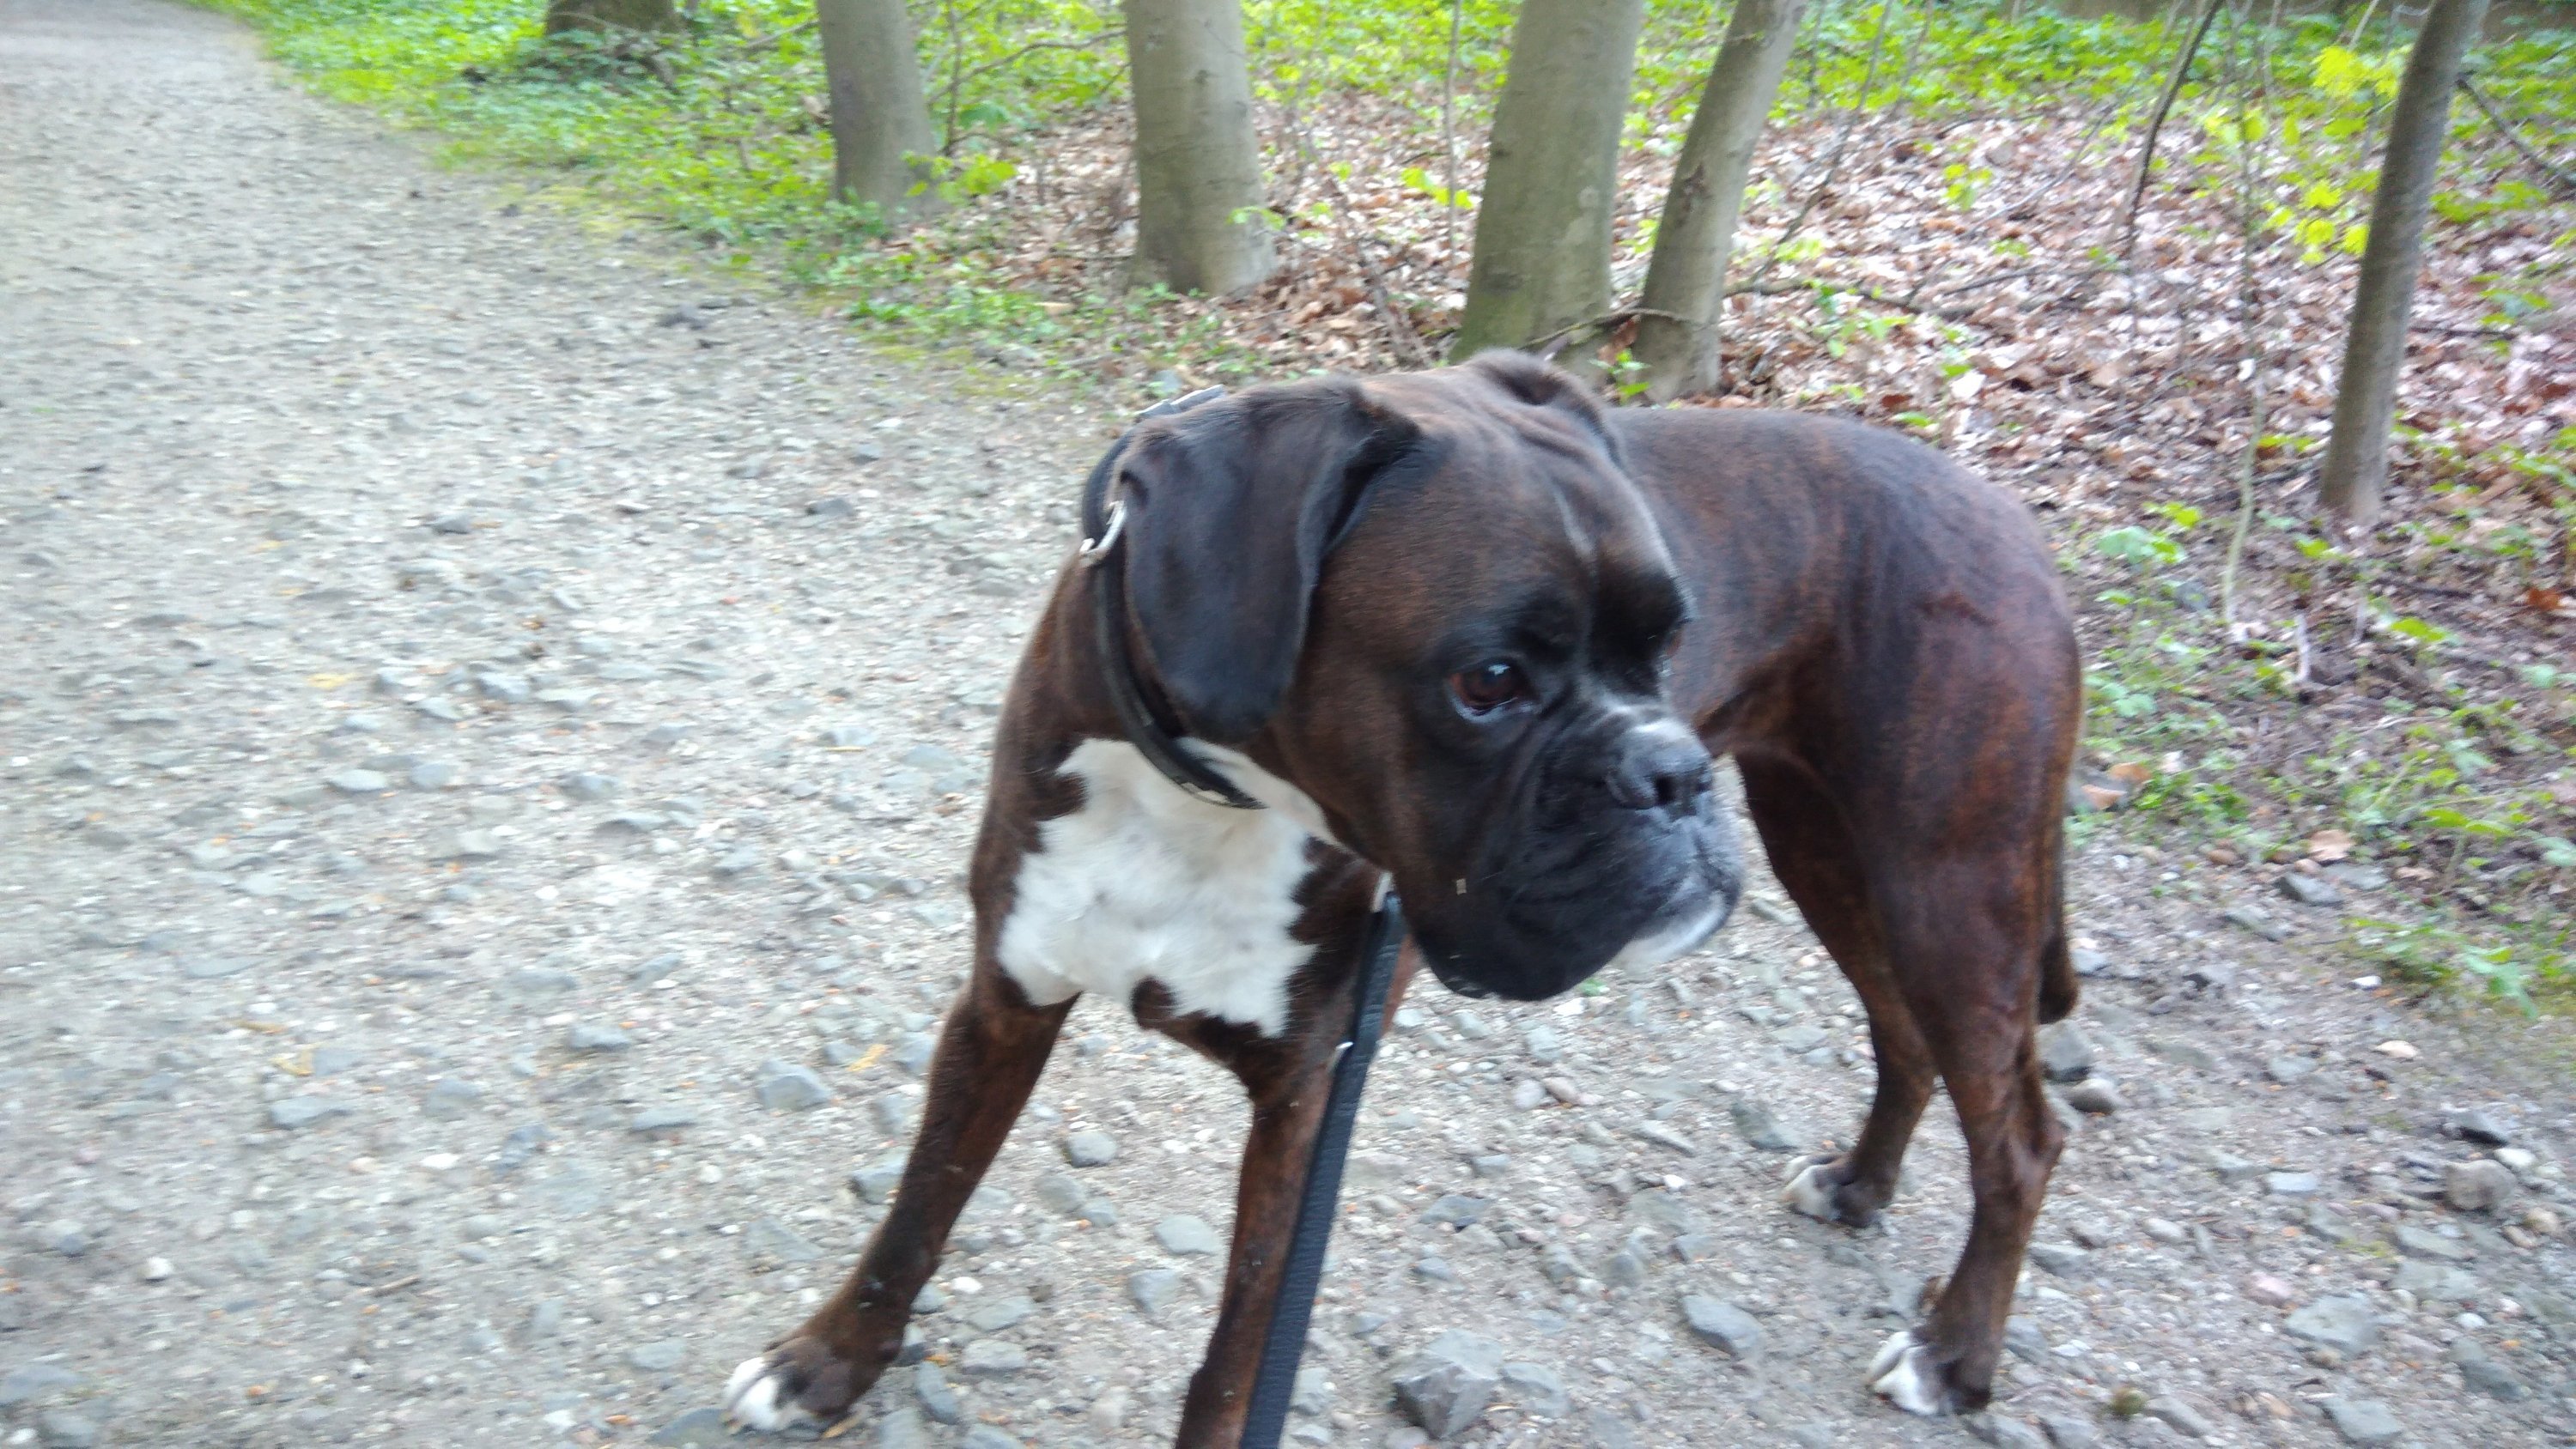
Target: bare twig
point(1833, 159)
point(1449, 145)
point(1033, 47)
point(758, 44)
point(2156, 123)
point(2559, 180)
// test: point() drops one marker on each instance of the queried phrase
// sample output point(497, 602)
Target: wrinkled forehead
point(1507, 505)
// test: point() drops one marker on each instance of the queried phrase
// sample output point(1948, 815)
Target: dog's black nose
point(1663, 769)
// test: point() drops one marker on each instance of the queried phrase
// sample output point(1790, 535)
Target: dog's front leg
point(1288, 1089)
point(990, 1054)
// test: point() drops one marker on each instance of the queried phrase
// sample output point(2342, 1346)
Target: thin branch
point(2560, 181)
point(2156, 123)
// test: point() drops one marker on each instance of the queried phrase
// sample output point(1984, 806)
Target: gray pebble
point(1152, 1289)
point(2477, 1187)
point(1542, 1043)
point(2309, 890)
point(433, 775)
point(2185, 1417)
point(996, 1314)
point(1185, 1234)
point(1760, 1128)
point(2343, 1323)
point(902, 1428)
point(700, 1428)
point(63, 1429)
point(992, 1358)
point(1090, 1149)
point(1447, 1384)
point(2363, 1421)
point(360, 782)
point(2064, 1054)
point(658, 1357)
point(1058, 1192)
point(938, 1400)
point(1722, 1325)
point(596, 1037)
point(30, 1382)
point(1536, 1389)
point(582, 785)
point(297, 1112)
point(450, 1097)
point(791, 1087)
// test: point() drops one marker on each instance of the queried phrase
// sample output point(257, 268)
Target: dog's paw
point(762, 1395)
point(1810, 1189)
point(1908, 1376)
point(798, 1382)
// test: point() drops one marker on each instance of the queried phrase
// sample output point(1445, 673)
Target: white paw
point(756, 1396)
point(1809, 1193)
point(1903, 1371)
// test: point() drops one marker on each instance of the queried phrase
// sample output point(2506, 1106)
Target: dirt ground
point(490, 726)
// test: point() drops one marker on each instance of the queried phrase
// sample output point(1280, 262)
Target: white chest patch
point(1147, 883)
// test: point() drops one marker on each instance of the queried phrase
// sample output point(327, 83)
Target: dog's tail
point(2057, 989)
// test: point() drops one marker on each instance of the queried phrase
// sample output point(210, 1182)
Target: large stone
point(1447, 1383)
point(1721, 1324)
point(2483, 1186)
point(2342, 1323)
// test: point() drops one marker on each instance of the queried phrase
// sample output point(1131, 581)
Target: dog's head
point(1437, 605)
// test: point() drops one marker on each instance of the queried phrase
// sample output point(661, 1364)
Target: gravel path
point(489, 734)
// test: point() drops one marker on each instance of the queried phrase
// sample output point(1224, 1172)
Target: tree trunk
point(1686, 281)
point(880, 124)
point(1542, 259)
point(2356, 465)
point(1199, 224)
point(563, 15)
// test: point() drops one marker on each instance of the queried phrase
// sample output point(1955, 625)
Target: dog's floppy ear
point(1233, 507)
point(1532, 379)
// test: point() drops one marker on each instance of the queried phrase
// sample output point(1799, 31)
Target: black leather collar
point(1145, 724)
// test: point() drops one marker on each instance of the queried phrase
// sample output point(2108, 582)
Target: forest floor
point(496, 722)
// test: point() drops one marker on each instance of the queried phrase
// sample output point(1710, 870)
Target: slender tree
point(1541, 266)
point(563, 15)
point(881, 133)
point(1677, 336)
point(2355, 473)
point(1199, 224)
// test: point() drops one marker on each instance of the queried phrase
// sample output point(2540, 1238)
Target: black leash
point(1104, 521)
point(1267, 1418)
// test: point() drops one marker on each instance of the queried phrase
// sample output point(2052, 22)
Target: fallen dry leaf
point(2329, 846)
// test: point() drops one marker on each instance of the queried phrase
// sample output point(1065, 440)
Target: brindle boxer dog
point(1466, 630)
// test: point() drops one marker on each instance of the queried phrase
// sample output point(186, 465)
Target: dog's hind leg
point(1811, 852)
point(1970, 935)
point(990, 1053)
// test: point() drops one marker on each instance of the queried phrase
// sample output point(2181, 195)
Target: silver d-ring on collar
point(1094, 549)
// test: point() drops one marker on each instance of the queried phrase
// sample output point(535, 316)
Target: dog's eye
point(1487, 687)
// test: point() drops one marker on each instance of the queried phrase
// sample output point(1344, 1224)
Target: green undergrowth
point(2450, 772)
